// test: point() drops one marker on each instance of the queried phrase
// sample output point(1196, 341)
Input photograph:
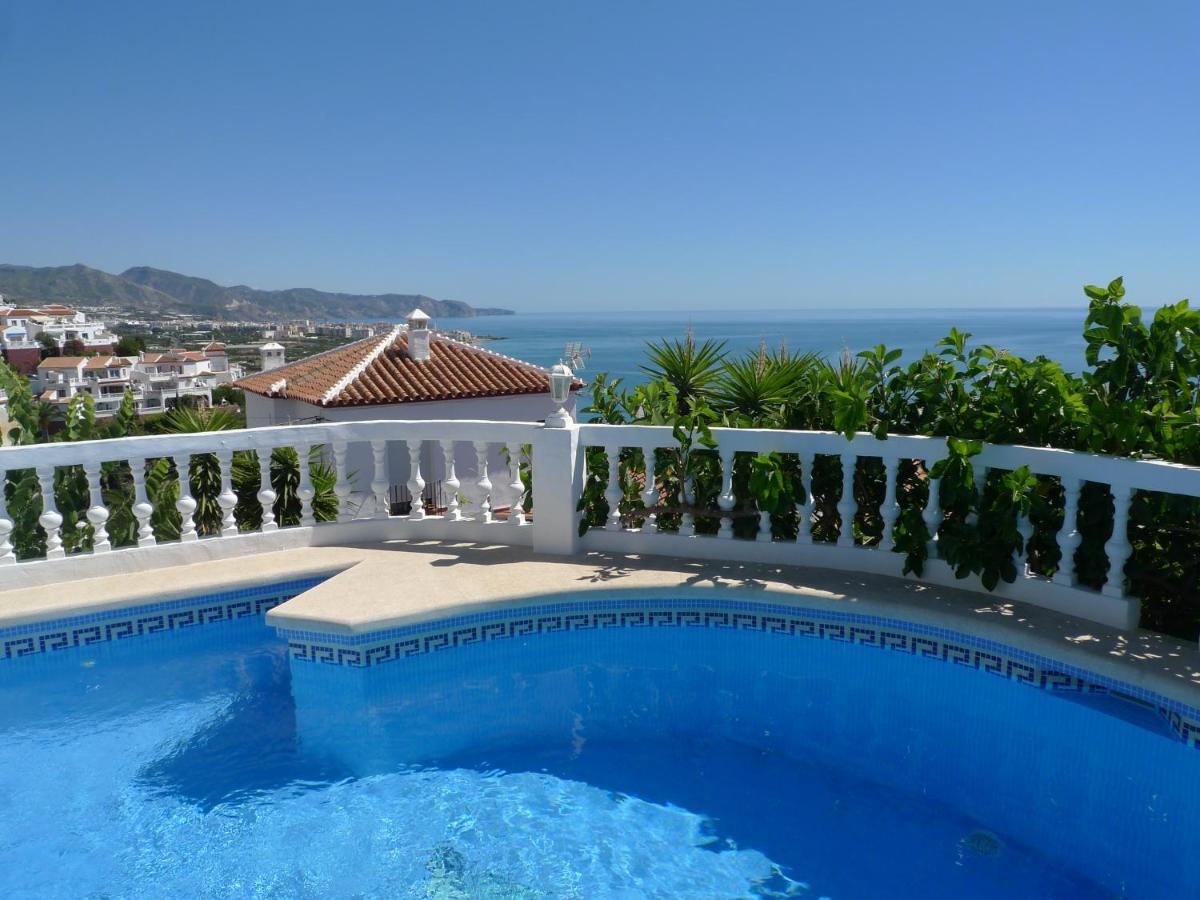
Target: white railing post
point(1025, 530)
point(304, 490)
point(557, 485)
point(186, 504)
point(932, 514)
point(341, 483)
point(416, 483)
point(97, 512)
point(7, 556)
point(50, 519)
point(1117, 547)
point(804, 510)
point(890, 510)
point(483, 484)
point(1068, 535)
point(142, 510)
point(650, 492)
point(450, 482)
point(612, 490)
point(846, 506)
point(726, 499)
point(516, 487)
point(227, 499)
point(379, 482)
point(980, 473)
point(266, 491)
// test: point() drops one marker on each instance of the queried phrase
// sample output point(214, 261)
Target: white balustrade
point(500, 447)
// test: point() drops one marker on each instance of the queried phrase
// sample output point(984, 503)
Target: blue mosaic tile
point(147, 619)
point(879, 632)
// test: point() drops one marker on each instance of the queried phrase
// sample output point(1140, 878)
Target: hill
point(143, 290)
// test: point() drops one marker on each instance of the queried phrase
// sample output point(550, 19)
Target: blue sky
point(612, 155)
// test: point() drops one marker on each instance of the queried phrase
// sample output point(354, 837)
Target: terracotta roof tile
point(62, 362)
point(454, 371)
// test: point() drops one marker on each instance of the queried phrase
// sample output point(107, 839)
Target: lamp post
point(561, 377)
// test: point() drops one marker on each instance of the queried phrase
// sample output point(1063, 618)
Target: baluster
point(379, 483)
point(451, 482)
point(1117, 547)
point(764, 535)
point(483, 484)
point(1025, 530)
point(227, 499)
point(416, 483)
point(142, 510)
point(304, 490)
point(7, 557)
point(516, 487)
point(804, 510)
point(890, 510)
point(687, 523)
point(846, 505)
point(726, 500)
point(50, 519)
point(612, 491)
point(97, 512)
point(186, 504)
point(980, 473)
point(341, 484)
point(650, 492)
point(266, 491)
point(1068, 535)
point(932, 514)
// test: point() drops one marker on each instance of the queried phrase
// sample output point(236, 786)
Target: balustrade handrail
point(1139, 474)
point(267, 438)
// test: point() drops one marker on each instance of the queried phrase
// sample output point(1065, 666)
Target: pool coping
point(366, 590)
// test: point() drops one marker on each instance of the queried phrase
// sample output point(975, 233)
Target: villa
point(21, 330)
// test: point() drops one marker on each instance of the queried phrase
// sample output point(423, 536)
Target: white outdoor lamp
point(561, 377)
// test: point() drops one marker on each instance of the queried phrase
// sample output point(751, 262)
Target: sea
point(615, 343)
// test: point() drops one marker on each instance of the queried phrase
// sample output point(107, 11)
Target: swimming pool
point(631, 748)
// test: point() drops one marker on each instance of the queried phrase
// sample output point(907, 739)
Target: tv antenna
point(576, 355)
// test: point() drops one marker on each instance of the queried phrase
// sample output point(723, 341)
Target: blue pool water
point(631, 762)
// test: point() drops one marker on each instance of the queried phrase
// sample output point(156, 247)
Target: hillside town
point(161, 363)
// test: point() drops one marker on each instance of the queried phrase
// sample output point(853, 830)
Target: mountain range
point(144, 291)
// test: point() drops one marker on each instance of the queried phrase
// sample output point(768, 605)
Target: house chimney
point(270, 356)
point(418, 335)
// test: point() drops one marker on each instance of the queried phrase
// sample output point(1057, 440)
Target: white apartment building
point(21, 330)
point(158, 381)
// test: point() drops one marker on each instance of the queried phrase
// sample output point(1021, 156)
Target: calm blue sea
point(617, 340)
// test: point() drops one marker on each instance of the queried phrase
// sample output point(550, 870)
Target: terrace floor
point(403, 582)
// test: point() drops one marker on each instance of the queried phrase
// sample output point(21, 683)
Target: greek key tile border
point(941, 644)
point(148, 619)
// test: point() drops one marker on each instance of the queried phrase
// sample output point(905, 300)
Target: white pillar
point(143, 511)
point(50, 519)
point(846, 506)
point(890, 510)
point(557, 483)
point(97, 512)
point(266, 491)
point(1117, 547)
point(450, 483)
point(1068, 535)
point(186, 504)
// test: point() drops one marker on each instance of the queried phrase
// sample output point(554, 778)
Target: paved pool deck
point(406, 582)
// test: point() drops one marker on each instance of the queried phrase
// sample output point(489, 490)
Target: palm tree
point(690, 368)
